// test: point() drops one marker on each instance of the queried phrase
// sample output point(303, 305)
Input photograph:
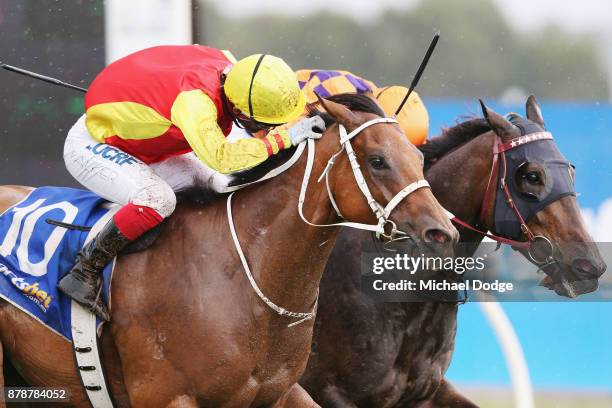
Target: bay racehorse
point(187, 327)
point(368, 354)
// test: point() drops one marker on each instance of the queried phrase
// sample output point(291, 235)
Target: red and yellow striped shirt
point(165, 101)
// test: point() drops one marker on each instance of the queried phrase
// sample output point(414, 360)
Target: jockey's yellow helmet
point(265, 88)
point(413, 118)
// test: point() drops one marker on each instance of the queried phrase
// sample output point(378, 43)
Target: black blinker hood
point(558, 181)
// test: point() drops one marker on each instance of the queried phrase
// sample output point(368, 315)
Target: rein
point(382, 213)
point(272, 173)
point(499, 160)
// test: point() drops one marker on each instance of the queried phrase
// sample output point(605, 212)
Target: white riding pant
point(121, 178)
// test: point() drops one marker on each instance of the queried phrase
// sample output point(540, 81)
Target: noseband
point(381, 213)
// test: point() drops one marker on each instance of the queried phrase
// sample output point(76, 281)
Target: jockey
point(156, 122)
point(413, 118)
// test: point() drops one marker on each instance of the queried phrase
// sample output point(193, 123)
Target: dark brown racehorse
point(187, 328)
point(368, 354)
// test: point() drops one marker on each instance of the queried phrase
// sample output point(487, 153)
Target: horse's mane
point(353, 101)
point(453, 137)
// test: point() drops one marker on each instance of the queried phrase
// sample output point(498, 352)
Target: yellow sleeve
point(196, 115)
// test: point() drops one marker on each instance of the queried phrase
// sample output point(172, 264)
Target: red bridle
point(499, 149)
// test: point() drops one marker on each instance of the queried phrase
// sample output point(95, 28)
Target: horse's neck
point(459, 181)
point(288, 255)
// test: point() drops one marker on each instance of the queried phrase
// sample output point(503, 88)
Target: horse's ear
point(534, 113)
point(339, 112)
point(500, 126)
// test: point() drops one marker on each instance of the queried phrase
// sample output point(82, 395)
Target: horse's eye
point(377, 163)
point(533, 178)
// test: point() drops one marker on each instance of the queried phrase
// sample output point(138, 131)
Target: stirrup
point(98, 307)
point(91, 300)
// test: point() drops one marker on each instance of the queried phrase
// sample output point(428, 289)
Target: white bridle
point(382, 213)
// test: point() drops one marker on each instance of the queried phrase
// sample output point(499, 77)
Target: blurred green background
point(479, 54)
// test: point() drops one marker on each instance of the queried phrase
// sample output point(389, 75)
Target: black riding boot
point(84, 282)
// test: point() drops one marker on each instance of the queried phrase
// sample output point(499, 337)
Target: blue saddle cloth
point(35, 254)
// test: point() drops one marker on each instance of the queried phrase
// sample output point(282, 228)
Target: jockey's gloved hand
point(307, 128)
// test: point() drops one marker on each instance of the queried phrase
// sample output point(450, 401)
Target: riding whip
point(419, 72)
point(44, 78)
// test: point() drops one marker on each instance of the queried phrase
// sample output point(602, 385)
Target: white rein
point(381, 213)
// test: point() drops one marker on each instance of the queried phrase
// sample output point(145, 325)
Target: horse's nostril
point(585, 266)
point(437, 236)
